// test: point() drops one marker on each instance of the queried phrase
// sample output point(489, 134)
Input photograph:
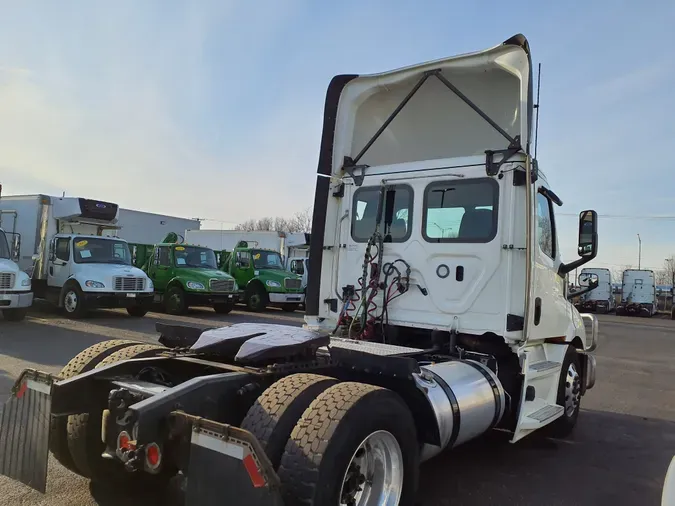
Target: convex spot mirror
point(588, 280)
point(588, 233)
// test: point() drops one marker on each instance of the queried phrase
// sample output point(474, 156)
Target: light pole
point(639, 251)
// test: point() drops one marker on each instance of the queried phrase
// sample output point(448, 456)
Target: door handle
point(51, 270)
point(537, 310)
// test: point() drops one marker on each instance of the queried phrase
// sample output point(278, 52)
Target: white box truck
point(638, 293)
point(15, 285)
point(70, 262)
point(601, 298)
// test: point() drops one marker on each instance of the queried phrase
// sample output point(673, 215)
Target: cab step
point(543, 369)
point(536, 414)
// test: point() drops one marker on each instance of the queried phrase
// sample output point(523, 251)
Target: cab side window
point(545, 225)
point(243, 259)
point(297, 267)
point(163, 256)
point(62, 249)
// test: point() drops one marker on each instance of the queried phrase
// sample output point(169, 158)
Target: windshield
point(4, 246)
point(196, 257)
point(88, 250)
point(266, 259)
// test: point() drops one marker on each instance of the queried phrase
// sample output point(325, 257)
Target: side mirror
point(588, 234)
point(16, 247)
point(587, 242)
point(588, 280)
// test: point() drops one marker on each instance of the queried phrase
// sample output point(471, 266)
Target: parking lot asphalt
point(618, 454)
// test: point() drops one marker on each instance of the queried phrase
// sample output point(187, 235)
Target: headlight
point(273, 284)
point(236, 287)
point(93, 284)
point(25, 282)
point(150, 285)
point(193, 285)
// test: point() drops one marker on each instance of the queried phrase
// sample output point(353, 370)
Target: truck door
point(243, 268)
point(59, 262)
point(549, 312)
point(160, 268)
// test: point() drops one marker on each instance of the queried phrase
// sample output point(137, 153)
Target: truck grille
point(221, 285)
point(292, 284)
point(6, 280)
point(128, 284)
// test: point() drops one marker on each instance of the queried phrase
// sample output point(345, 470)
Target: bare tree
point(665, 275)
point(300, 222)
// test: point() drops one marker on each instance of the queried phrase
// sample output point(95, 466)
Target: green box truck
point(262, 278)
point(185, 275)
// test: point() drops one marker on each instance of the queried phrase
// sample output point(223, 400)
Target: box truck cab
point(601, 298)
point(72, 264)
point(638, 293)
point(15, 285)
point(263, 278)
point(185, 275)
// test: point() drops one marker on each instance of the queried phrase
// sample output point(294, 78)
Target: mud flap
point(228, 464)
point(24, 430)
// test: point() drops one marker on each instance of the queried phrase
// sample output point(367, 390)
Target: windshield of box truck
point(195, 257)
point(266, 260)
point(88, 250)
point(4, 246)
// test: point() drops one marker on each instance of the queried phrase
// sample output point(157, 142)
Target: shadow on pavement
point(610, 459)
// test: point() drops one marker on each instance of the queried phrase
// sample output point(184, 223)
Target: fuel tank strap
point(495, 390)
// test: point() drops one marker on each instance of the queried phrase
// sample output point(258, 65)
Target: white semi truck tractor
point(71, 263)
point(437, 310)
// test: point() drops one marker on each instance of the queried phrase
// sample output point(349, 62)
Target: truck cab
point(638, 293)
point(261, 275)
point(186, 275)
point(15, 285)
point(87, 271)
point(600, 299)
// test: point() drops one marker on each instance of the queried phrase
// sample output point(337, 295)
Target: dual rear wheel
point(347, 443)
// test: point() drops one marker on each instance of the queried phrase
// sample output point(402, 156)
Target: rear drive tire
point(73, 302)
point(323, 461)
point(137, 311)
point(256, 298)
point(223, 308)
point(290, 308)
point(274, 414)
point(84, 430)
point(569, 396)
point(82, 362)
point(174, 301)
point(15, 315)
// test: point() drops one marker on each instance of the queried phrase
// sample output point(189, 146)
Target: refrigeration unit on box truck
point(638, 293)
point(601, 299)
point(70, 262)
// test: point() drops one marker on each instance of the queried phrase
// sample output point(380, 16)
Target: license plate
point(5, 297)
point(131, 295)
point(229, 296)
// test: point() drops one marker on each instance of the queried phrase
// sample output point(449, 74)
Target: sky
point(213, 108)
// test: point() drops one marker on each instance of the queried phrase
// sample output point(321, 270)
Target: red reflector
point(152, 455)
point(124, 442)
point(256, 478)
point(22, 390)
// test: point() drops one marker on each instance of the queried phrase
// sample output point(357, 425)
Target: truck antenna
point(536, 106)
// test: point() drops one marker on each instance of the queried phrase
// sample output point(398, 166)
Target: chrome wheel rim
point(70, 301)
point(572, 390)
point(374, 476)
